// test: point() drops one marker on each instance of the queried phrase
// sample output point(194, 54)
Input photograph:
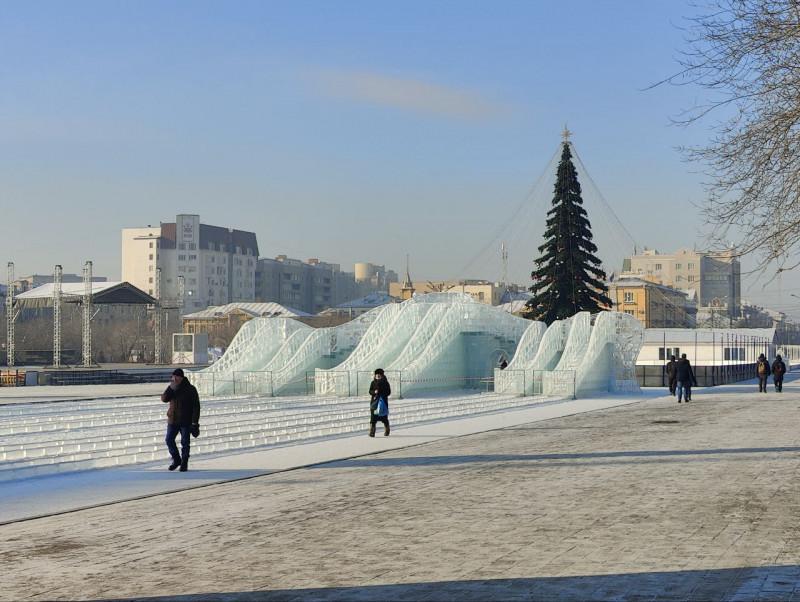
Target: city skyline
point(349, 133)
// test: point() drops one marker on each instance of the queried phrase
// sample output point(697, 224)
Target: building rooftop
point(653, 336)
point(257, 310)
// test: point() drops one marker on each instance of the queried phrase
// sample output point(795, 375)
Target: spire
point(408, 285)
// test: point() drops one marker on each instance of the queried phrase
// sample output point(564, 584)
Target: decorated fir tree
point(567, 277)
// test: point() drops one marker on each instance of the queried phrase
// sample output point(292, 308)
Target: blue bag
point(382, 408)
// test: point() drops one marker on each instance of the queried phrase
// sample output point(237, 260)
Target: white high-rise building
point(218, 264)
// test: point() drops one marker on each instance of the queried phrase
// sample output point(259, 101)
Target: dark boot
point(175, 463)
point(386, 430)
point(185, 464)
point(372, 430)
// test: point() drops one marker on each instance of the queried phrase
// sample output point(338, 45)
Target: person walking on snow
point(183, 417)
point(379, 390)
point(685, 379)
point(778, 370)
point(762, 371)
point(672, 375)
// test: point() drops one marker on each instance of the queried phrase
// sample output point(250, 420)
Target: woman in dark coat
point(379, 387)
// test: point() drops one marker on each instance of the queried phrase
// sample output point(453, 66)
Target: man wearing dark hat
point(183, 417)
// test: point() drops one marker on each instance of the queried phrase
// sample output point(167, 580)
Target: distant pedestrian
point(183, 416)
point(686, 379)
point(778, 370)
point(379, 391)
point(671, 370)
point(762, 371)
point(503, 364)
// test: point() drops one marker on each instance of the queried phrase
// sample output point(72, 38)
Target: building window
point(658, 266)
point(151, 256)
point(192, 257)
point(181, 257)
point(690, 278)
point(151, 244)
point(629, 312)
point(150, 280)
point(678, 278)
point(690, 266)
point(149, 268)
point(628, 297)
point(677, 266)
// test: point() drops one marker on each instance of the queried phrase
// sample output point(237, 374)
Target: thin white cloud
point(406, 94)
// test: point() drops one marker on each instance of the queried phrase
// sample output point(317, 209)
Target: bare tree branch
point(746, 54)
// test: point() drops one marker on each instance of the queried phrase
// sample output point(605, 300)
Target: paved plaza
point(650, 501)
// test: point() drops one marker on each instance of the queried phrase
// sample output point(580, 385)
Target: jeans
point(673, 384)
point(186, 436)
point(762, 384)
point(778, 380)
point(687, 387)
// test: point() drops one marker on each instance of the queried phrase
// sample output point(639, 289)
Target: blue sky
point(349, 131)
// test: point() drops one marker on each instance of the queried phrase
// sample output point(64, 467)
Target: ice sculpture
point(433, 342)
point(561, 379)
point(460, 350)
point(609, 363)
point(274, 355)
point(423, 347)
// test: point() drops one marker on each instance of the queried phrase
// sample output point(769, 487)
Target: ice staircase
point(46, 439)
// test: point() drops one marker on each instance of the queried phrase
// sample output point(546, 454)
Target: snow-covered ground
point(51, 453)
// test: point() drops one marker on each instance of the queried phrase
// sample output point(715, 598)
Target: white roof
point(654, 336)
point(257, 310)
point(68, 289)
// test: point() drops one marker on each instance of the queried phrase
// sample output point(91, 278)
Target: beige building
point(218, 264)
point(715, 277)
point(654, 305)
point(482, 291)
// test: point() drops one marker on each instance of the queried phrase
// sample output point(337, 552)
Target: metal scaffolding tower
point(57, 317)
point(157, 319)
point(87, 314)
point(11, 316)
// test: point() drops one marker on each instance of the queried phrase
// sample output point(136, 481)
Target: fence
point(707, 376)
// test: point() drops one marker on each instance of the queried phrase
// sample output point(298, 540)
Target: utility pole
point(87, 314)
point(10, 317)
point(157, 319)
point(57, 317)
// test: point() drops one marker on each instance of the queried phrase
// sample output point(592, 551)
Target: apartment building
point(715, 277)
point(218, 264)
point(654, 305)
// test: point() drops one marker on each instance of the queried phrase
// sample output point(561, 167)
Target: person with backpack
point(671, 370)
point(762, 371)
point(686, 378)
point(183, 416)
point(778, 370)
point(379, 391)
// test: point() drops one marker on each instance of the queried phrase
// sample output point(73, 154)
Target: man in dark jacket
point(686, 378)
point(778, 370)
point(671, 370)
point(183, 417)
point(379, 388)
point(762, 372)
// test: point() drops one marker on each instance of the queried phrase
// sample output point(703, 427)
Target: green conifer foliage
point(567, 277)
